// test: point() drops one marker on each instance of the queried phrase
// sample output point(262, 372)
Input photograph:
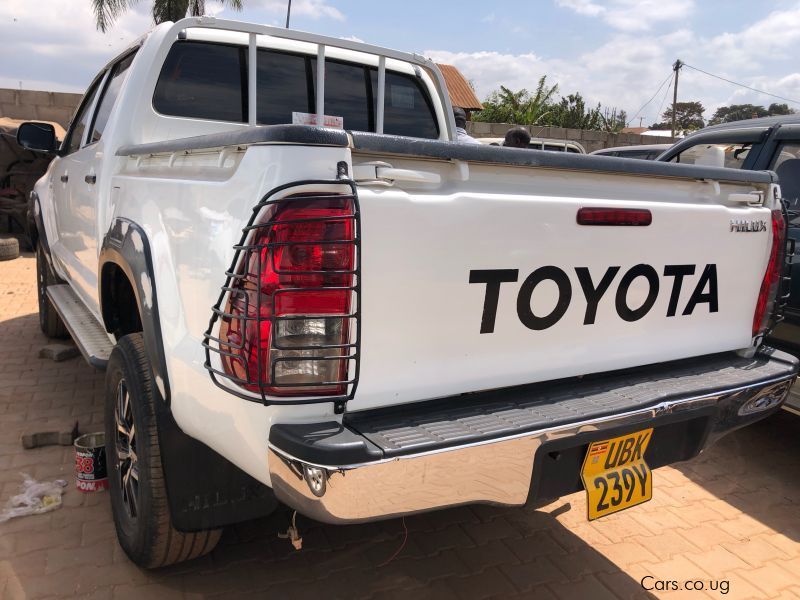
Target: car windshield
point(733, 155)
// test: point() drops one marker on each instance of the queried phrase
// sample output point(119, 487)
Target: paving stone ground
point(730, 518)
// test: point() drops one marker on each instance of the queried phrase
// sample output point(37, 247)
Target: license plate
point(616, 475)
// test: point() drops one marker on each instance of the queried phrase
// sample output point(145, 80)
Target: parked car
point(643, 151)
point(755, 144)
point(541, 144)
point(366, 320)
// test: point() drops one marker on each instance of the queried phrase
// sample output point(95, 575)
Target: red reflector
point(614, 216)
point(772, 276)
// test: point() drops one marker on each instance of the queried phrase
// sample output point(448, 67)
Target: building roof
point(461, 93)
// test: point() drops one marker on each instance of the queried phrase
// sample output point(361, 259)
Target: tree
point(688, 117)
point(519, 108)
point(571, 112)
point(107, 11)
point(779, 109)
point(737, 112)
point(740, 112)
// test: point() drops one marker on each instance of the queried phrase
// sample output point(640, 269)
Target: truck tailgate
point(487, 280)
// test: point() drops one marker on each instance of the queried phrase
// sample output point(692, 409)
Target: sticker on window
point(402, 96)
point(301, 118)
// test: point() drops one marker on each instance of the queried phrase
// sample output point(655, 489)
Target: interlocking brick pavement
point(732, 515)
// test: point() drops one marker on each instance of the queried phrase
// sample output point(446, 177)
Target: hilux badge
point(742, 226)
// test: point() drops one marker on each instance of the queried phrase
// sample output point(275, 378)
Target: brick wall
point(591, 140)
point(31, 105)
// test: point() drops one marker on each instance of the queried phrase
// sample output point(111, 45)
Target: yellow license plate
point(616, 475)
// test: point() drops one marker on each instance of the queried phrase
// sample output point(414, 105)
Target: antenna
point(288, 13)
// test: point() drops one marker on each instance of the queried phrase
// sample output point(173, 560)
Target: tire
point(49, 321)
point(9, 248)
point(136, 479)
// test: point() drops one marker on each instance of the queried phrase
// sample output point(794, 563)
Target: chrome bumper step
point(89, 335)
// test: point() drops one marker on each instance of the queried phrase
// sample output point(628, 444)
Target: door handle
point(90, 179)
point(64, 178)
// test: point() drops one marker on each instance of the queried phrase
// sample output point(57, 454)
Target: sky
point(615, 52)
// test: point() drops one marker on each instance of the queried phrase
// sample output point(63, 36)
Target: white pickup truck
point(367, 319)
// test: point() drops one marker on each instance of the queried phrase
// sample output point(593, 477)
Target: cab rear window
point(205, 80)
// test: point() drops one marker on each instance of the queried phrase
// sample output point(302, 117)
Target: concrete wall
point(33, 105)
point(591, 140)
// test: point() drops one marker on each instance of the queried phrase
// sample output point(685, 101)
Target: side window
point(283, 87)
point(346, 93)
point(203, 81)
point(731, 156)
point(119, 73)
point(408, 109)
point(81, 120)
point(787, 165)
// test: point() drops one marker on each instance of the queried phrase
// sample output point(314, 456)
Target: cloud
point(632, 15)
point(774, 37)
point(582, 7)
point(315, 9)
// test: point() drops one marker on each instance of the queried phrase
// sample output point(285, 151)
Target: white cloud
point(582, 7)
point(774, 37)
point(315, 9)
point(632, 15)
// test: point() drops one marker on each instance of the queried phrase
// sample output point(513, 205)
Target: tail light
point(286, 327)
point(772, 278)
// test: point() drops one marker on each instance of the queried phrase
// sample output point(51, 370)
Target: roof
point(461, 93)
point(759, 122)
point(638, 130)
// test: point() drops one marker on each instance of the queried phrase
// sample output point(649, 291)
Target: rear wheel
point(49, 321)
point(138, 491)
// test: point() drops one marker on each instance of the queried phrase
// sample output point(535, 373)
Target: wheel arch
point(125, 268)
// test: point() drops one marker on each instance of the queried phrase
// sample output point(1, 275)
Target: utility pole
point(677, 68)
point(289, 12)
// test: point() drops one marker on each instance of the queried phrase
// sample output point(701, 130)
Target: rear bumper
point(514, 446)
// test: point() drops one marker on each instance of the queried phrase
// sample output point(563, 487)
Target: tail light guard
point(286, 327)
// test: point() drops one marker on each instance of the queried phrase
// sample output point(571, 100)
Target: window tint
point(209, 81)
point(734, 155)
point(283, 87)
point(346, 93)
point(81, 120)
point(109, 98)
point(408, 110)
point(203, 81)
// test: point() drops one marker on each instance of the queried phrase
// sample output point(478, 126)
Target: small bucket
point(90, 462)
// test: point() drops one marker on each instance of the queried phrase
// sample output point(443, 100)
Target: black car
point(756, 144)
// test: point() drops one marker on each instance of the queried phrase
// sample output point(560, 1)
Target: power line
point(742, 85)
point(664, 98)
point(651, 99)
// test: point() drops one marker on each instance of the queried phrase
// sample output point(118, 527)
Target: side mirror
point(39, 137)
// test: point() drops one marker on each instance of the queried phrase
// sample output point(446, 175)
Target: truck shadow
point(756, 470)
point(464, 552)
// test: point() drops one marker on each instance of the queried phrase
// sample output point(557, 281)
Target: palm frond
point(107, 11)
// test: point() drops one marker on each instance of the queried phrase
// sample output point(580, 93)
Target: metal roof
point(459, 89)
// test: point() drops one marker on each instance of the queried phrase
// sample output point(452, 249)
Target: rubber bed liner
point(424, 426)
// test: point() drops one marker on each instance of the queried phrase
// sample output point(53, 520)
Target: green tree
point(737, 112)
point(688, 117)
point(519, 108)
point(572, 112)
point(107, 11)
point(779, 109)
